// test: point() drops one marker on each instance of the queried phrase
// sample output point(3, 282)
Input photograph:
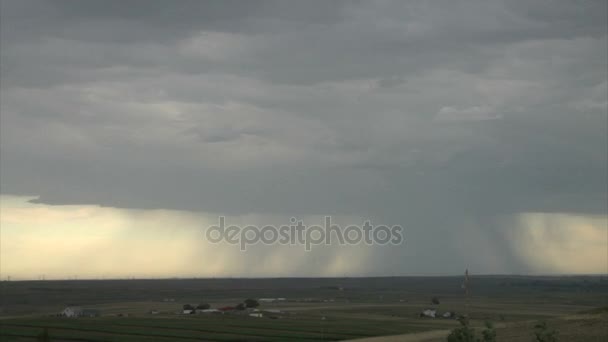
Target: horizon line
point(552, 275)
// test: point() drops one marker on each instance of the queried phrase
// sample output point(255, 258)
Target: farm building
point(75, 311)
point(199, 311)
point(257, 314)
point(271, 300)
point(428, 313)
point(448, 314)
point(71, 311)
point(273, 311)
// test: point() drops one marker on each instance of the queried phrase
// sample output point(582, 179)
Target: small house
point(428, 313)
point(75, 311)
point(71, 311)
point(273, 311)
point(449, 314)
point(207, 311)
point(267, 300)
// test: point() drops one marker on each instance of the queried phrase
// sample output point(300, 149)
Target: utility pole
point(465, 286)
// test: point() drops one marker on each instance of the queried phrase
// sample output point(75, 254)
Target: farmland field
point(314, 309)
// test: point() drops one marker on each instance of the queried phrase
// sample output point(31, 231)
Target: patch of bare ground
point(572, 328)
point(433, 335)
point(583, 328)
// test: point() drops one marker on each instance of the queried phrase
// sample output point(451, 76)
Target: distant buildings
point(75, 311)
point(432, 313)
point(207, 311)
point(71, 311)
point(227, 308)
point(271, 300)
point(428, 313)
point(449, 314)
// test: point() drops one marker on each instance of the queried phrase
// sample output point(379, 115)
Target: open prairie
point(310, 309)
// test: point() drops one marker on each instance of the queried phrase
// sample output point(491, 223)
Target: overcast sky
point(466, 122)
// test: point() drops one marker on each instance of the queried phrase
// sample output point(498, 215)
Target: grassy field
point(315, 309)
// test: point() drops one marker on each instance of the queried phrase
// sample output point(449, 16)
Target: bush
point(465, 333)
point(251, 303)
point(542, 333)
point(203, 306)
point(489, 333)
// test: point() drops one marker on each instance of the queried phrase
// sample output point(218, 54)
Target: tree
point(542, 333)
point(488, 334)
point(241, 306)
point(435, 300)
point(467, 334)
point(251, 303)
point(188, 307)
point(203, 306)
point(464, 333)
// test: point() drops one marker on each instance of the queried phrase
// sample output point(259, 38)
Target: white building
point(257, 314)
point(428, 313)
point(448, 314)
point(207, 311)
point(72, 311)
point(271, 300)
point(273, 311)
point(76, 311)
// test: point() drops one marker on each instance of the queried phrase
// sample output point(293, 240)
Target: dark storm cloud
point(388, 109)
point(140, 20)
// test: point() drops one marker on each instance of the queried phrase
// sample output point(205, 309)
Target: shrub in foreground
point(465, 333)
point(542, 333)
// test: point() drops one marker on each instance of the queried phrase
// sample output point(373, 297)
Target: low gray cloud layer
point(418, 113)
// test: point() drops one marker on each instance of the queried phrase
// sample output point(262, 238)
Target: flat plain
point(312, 309)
